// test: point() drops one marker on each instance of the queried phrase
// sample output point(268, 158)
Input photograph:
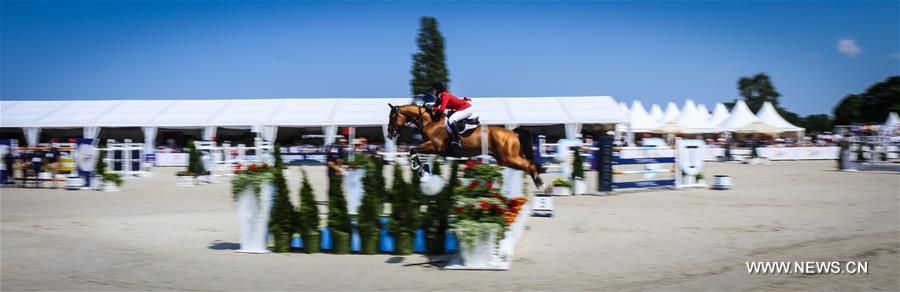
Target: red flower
point(470, 163)
point(265, 165)
point(459, 210)
point(490, 184)
point(252, 167)
point(473, 184)
point(484, 205)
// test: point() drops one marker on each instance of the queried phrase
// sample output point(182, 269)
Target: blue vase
point(450, 243)
point(419, 241)
point(355, 242)
point(385, 241)
point(297, 241)
point(325, 235)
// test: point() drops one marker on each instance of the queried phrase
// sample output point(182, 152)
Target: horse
point(510, 149)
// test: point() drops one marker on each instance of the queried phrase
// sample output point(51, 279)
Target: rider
point(460, 107)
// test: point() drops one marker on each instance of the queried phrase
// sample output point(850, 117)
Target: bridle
point(393, 129)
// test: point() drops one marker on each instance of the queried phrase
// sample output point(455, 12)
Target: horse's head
point(396, 121)
point(404, 115)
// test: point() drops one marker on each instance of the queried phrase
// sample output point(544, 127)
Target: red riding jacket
point(448, 101)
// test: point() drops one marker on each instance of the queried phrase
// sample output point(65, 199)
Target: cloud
point(848, 46)
point(813, 55)
point(894, 56)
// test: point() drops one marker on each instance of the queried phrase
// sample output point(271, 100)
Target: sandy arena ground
point(155, 236)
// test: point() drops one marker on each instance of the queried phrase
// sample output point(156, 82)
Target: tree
point(437, 235)
point(577, 164)
point(308, 217)
point(195, 165)
point(404, 217)
point(338, 218)
point(370, 207)
point(429, 63)
point(100, 168)
point(282, 213)
point(871, 106)
point(757, 90)
point(817, 123)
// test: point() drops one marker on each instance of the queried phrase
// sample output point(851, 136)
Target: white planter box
point(580, 187)
point(109, 186)
point(253, 215)
point(562, 191)
point(185, 181)
point(480, 252)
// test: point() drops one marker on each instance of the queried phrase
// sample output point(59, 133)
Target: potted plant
point(338, 218)
point(369, 213)
point(580, 187)
point(404, 218)
point(111, 181)
point(252, 188)
point(308, 217)
point(700, 179)
point(194, 169)
point(481, 215)
point(281, 225)
point(562, 187)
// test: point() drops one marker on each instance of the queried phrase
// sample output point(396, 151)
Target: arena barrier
point(685, 162)
point(859, 155)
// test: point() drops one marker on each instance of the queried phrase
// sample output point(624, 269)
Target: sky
point(816, 52)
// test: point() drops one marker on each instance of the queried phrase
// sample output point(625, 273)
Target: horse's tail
point(526, 146)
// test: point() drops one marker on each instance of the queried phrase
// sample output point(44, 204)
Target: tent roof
point(740, 117)
point(671, 114)
point(656, 112)
point(719, 115)
point(693, 121)
point(640, 121)
point(624, 107)
point(769, 115)
point(892, 120)
point(292, 112)
point(704, 113)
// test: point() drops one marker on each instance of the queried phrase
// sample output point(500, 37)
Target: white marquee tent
point(703, 111)
point(624, 108)
point(692, 121)
point(656, 112)
point(719, 115)
point(740, 117)
point(640, 121)
point(769, 115)
point(265, 115)
point(672, 113)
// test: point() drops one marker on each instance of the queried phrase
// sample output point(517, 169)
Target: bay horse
point(510, 149)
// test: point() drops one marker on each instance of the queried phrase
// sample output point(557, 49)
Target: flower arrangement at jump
point(481, 214)
point(252, 187)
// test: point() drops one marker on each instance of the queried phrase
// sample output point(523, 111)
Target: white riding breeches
point(459, 116)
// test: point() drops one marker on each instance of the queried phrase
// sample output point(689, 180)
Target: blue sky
point(816, 52)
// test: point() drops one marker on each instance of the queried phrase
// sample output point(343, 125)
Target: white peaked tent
point(769, 115)
point(624, 108)
point(693, 121)
point(656, 112)
point(893, 120)
point(719, 115)
point(891, 125)
point(640, 121)
point(740, 117)
point(701, 109)
point(671, 114)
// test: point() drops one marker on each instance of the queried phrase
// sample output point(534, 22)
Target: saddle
point(466, 126)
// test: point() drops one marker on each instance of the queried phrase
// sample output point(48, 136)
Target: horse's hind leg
point(520, 163)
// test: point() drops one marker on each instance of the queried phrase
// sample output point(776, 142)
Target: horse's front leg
point(414, 161)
